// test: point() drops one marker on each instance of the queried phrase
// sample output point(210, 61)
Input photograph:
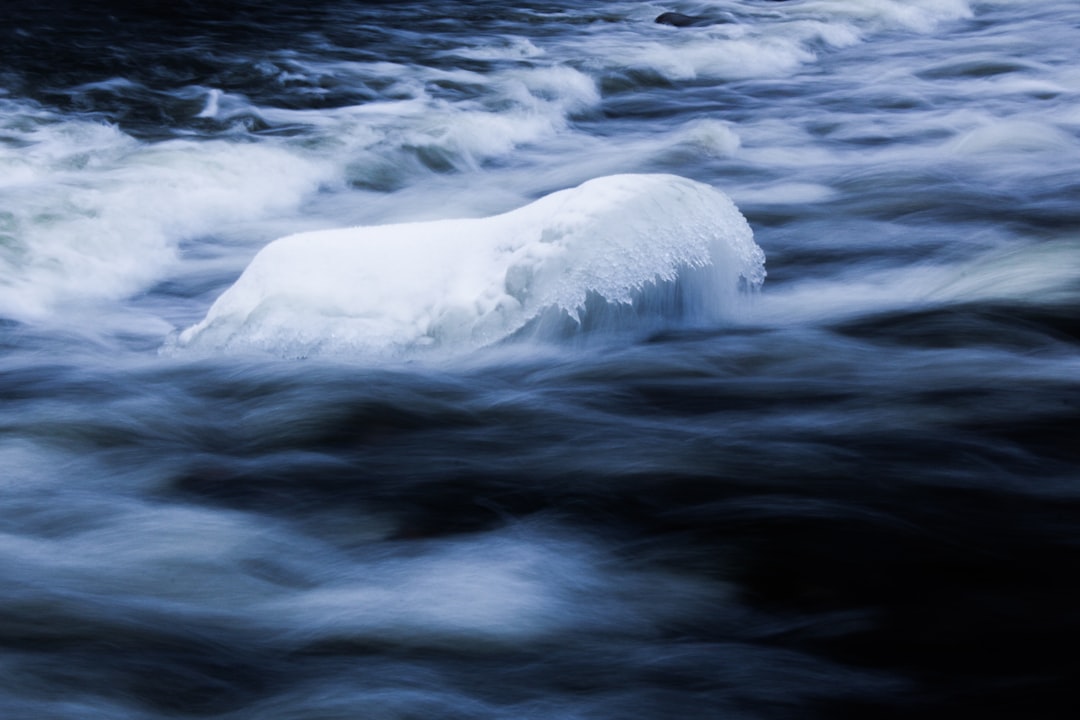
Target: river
point(539, 360)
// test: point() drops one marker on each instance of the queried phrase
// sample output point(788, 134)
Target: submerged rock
point(680, 20)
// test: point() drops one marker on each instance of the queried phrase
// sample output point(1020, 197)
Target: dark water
point(854, 493)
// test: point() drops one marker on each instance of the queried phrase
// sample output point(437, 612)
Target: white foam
point(509, 48)
point(710, 137)
point(136, 562)
point(464, 283)
point(1045, 273)
point(786, 193)
point(1013, 135)
point(702, 58)
point(506, 586)
point(759, 40)
point(87, 213)
point(419, 120)
point(916, 15)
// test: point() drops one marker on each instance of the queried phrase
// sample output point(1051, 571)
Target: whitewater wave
point(90, 214)
point(738, 41)
point(613, 248)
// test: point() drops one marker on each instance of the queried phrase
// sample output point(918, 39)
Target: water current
point(524, 360)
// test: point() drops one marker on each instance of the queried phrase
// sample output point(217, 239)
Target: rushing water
point(535, 455)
